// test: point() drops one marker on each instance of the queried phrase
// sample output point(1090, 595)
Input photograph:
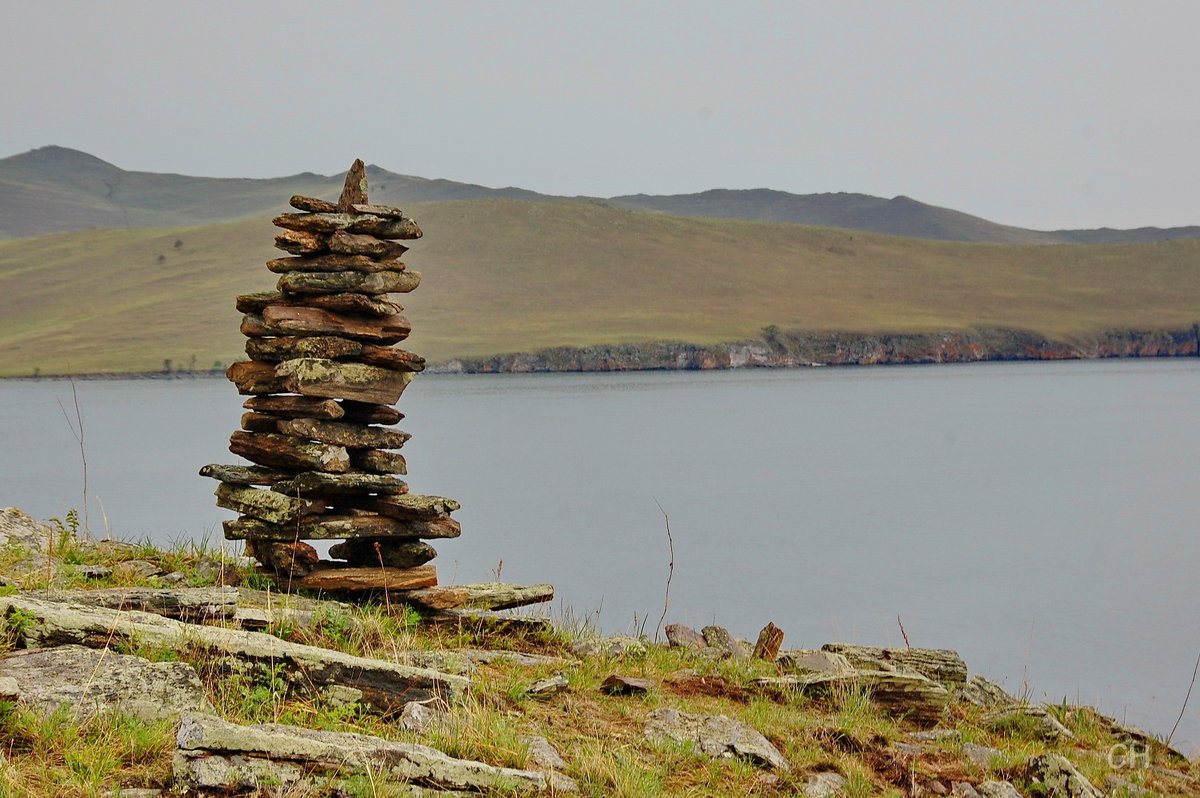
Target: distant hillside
point(504, 275)
point(55, 189)
point(899, 216)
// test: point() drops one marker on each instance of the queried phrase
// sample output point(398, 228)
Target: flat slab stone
point(88, 682)
point(939, 664)
point(377, 578)
point(332, 379)
point(334, 527)
point(213, 754)
point(714, 735)
point(906, 694)
point(386, 686)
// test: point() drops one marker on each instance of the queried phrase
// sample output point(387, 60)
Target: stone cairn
point(322, 378)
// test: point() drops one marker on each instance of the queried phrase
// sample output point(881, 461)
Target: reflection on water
point(1038, 517)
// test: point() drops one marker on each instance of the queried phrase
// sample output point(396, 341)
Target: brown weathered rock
point(301, 242)
point(343, 243)
point(252, 377)
point(385, 551)
point(344, 434)
point(345, 527)
point(312, 204)
point(295, 407)
point(335, 263)
point(372, 305)
point(292, 320)
point(287, 558)
point(259, 422)
point(388, 211)
point(354, 282)
point(326, 223)
point(375, 578)
point(354, 190)
point(434, 598)
point(289, 348)
point(365, 413)
point(252, 326)
point(625, 685)
point(408, 505)
point(243, 475)
point(284, 451)
point(379, 462)
point(265, 505)
point(395, 359)
point(769, 641)
point(313, 483)
point(333, 380)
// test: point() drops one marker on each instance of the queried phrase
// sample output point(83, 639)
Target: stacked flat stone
point(322, 377)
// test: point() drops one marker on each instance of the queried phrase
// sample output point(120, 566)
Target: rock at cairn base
point(322, 378)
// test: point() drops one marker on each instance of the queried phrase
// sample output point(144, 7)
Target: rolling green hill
point(56, 189)
point(506, 275)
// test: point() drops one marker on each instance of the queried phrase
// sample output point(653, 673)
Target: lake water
point(1040, 518)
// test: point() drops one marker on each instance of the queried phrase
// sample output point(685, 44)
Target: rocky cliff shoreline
point(778, 349)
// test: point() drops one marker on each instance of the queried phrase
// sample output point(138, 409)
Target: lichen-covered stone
point(714, 735)
point(87, 682)
point(314, 483)
point(333, 380)
point(334, 527)
point(265, 505)
point(284, 451)
point(341, 433)
point(385, 551)
point(339, 282)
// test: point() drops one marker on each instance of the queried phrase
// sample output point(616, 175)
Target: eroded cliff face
point(794, 349)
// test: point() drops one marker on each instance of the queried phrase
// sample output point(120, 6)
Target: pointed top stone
point(355, 190)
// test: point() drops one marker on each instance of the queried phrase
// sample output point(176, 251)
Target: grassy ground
point(599, 736)
point(504, 276)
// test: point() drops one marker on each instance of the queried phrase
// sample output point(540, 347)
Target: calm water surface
point(1040, 518)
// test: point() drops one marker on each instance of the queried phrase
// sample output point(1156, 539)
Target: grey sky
point(1043, 114)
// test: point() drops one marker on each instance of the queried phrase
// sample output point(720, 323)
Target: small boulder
point(681, 636)
point(625, 685)
point(997, 789)
point(19, 529)
point(718, 637)
point(134, 570)
point(542, 755)
point(544, 688)
point(823, 785)
point(981, 755)
point(985, 693)
point(800, 661)
point(418, 717)
point(1060, 778)
point(714, 735)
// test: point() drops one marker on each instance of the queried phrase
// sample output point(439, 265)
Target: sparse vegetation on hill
point(510, 276)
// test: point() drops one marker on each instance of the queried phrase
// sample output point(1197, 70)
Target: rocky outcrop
point(778, 349)
point(86, 682)
point(215, 756)
point(900, 693)
point(1060, 779)
point(386, 686)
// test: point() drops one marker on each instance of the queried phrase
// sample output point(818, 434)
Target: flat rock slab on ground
point(625, 685)
point(87, 681)
point(904, 694)
point(615, 646)
point(940, 665)
point(386, 686)
point(714, 735)
point(823, 785)
point(187, 603)
point(216, 756)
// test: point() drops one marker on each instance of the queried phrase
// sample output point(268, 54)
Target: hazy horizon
point(1049, 115)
